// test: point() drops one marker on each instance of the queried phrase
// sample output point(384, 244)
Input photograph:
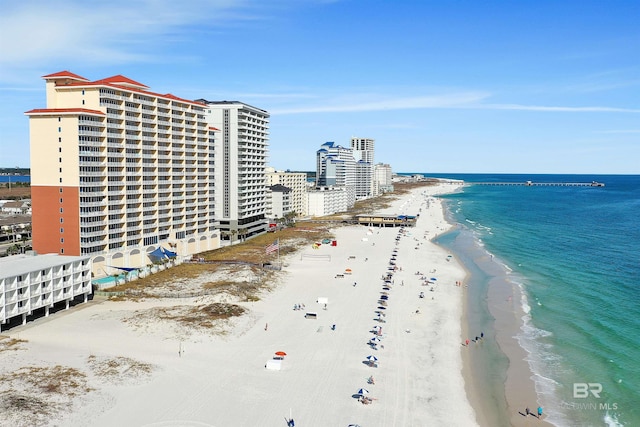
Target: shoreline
point(495, 304)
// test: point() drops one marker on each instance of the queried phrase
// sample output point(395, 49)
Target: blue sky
point(442, 86)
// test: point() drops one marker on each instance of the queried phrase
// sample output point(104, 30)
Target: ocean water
point(575, 254)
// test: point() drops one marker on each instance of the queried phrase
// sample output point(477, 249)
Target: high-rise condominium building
point(336, 167)
point(118, 172)
point(382, 178)
point(241, 158)
point(363, 152)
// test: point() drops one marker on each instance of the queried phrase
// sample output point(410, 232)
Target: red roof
point(63, 110)
point(212, 128)
point(67, 74)
point(122, 80)
point(118, 81)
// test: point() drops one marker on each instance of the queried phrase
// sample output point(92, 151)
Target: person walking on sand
point(527, 411)
point(266, 326)
point(539, 411)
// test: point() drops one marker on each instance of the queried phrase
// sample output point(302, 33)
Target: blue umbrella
point(372, 358)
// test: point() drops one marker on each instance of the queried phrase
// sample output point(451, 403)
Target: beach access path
point(208, 380)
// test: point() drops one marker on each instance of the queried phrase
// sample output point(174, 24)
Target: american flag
point(272, 247)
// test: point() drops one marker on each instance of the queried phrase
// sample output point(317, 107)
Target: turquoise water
point(575, 253)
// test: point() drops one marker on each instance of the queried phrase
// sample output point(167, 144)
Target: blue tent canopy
point(161, 253)
point(127, 269)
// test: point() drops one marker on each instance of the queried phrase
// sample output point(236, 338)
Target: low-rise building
point(32, 282)
point(328, 201)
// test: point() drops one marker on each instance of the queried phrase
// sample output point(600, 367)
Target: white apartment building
point(364, 153)
point(30, 283)
point(279, 201)
point(241, 157)
point(297, 182)
point(383, 177)
point(364, 180)
point(328, 201)
point(118, 171)
point(336, 167)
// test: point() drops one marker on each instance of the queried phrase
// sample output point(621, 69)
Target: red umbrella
point(281, 353)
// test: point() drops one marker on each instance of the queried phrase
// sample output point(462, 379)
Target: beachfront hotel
point(119, 172)
point(364, 154)
point(336, 167)
point(241, 157)
point(383, 178)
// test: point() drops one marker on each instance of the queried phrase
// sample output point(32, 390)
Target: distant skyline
point(442, 87)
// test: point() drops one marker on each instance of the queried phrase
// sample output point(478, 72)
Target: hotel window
point(62, 240)
point(60, 199)
point(62, 230)
point(59, 129)
point(61, 189)
point(59, 139)
point(59, 119)
point(61, 250)
point(61, 211)
point(59, 149)
point(60, 180)
point(60, 170)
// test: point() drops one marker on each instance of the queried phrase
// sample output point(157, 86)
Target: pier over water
point(534, 184)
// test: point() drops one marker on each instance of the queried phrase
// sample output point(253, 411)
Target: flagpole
point(278, 251)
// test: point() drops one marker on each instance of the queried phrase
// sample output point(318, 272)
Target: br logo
point(582, 390)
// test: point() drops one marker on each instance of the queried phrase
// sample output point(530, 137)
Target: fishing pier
point(533, 184)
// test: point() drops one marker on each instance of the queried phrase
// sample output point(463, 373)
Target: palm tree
point(242, 233)
point(233, 233)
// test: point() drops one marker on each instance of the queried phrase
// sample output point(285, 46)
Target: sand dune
point(135, 369)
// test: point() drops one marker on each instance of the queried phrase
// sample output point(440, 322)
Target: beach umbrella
point(363, 391)
point(281, 353)
point(434, 279)
point(374, 340)
point(384, 296)
point(372, 358)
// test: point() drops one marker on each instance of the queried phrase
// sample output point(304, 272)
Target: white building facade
point(383, 175)
point(37, 282)
point(364, 154)
point(336, 167)
point(241, 158)
point(327, 201)
point(297, 182)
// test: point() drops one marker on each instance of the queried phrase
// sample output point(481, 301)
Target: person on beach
point(481, 335)
point(539, 411)
point(467, 342)
point(527, 411)
point(266, 326)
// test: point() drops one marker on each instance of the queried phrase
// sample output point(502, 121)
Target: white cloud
point(37, 33)
point(519, 107)
point(351, 104)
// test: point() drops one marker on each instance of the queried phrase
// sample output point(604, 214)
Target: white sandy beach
point(222, 380)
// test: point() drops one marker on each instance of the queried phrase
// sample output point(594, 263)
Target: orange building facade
point(118, 171)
